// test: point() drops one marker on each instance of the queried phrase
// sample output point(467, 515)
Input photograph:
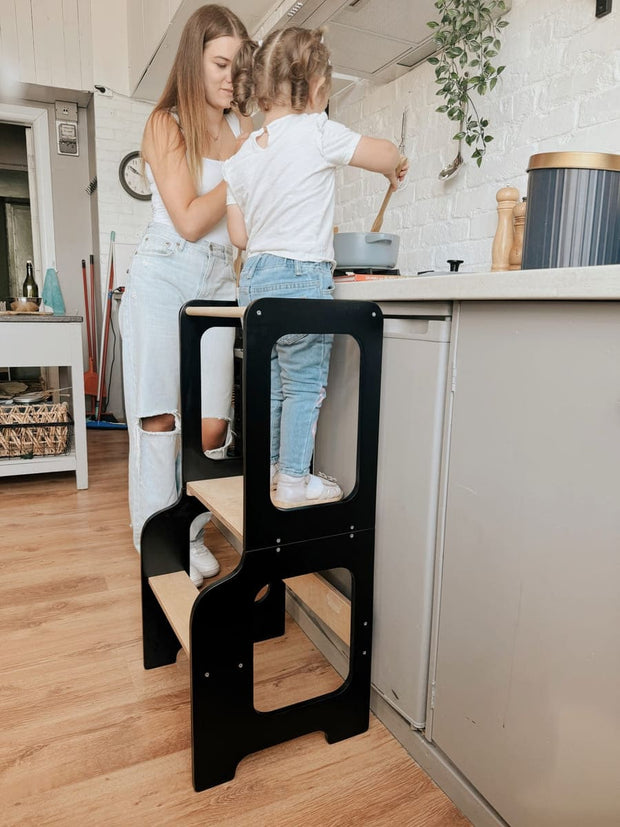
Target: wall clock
point(132, 178)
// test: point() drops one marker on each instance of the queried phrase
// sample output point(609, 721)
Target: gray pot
point(366, 249)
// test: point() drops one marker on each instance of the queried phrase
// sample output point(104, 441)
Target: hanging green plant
point(467, 37)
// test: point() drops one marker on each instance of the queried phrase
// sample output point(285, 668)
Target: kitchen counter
point(38, 317)
point(495, 634)
point(561, 284)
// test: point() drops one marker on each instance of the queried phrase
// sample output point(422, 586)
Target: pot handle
point(378, 238)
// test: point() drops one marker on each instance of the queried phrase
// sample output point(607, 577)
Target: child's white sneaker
point(312, 489)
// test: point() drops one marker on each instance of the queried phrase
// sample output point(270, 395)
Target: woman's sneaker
point(200, 558)
point(195, 576)
point(292, 492)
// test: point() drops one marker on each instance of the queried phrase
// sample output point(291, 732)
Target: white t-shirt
point(211, 175)
point(286, 191)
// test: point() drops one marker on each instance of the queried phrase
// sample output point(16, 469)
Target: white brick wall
point(560, 91)
point(119, 124)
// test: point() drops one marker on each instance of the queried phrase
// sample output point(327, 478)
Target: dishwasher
point(413, 391)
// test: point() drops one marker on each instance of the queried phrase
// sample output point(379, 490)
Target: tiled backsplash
point(560, 91)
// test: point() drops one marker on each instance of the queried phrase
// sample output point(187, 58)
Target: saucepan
point(366, 250)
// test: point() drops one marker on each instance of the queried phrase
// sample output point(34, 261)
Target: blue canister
point(573, 210)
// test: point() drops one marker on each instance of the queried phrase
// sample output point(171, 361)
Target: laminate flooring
point(88, 737)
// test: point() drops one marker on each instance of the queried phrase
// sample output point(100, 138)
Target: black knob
point(454, 264)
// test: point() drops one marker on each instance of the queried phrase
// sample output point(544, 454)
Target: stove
point(340, 272)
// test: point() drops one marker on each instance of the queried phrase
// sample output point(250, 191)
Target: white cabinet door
point(528, 660)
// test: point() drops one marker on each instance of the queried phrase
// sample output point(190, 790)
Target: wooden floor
point(88, 737)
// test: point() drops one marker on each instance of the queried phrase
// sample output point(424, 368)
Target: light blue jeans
point(299, 362)
point(166, 272)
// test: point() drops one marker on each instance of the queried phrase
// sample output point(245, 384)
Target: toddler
point(281, 192)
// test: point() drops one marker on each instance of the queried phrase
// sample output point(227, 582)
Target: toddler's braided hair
point(280, 70)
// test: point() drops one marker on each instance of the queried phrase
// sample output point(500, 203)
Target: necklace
point(215, 137)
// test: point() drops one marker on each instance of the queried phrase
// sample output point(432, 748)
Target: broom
point(90, 377)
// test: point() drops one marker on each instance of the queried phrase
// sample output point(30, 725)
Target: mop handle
point(88, 331)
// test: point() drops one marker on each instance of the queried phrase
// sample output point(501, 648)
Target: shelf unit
point(37, 340)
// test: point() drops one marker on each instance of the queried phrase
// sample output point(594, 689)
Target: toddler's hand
point(402, 169)
point(399, 173)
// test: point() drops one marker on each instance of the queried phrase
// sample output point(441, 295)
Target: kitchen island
point(496, 658)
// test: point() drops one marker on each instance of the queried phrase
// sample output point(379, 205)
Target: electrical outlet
point(603, 7)
point(66, 111)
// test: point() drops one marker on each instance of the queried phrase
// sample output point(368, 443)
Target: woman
point(184, 254)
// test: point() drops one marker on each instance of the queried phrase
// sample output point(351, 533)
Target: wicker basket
point(28, 431)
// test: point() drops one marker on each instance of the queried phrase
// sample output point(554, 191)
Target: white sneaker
point(202, 559)
point(195, 576)
point(197, 527)
point(312, 489)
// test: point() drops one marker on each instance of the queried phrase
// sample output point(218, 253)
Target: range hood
point(375, 39)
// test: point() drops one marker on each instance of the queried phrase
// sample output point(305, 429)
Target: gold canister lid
point(575, 160)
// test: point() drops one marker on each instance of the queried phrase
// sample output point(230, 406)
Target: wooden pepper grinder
point(518, 215)
point(507, 199)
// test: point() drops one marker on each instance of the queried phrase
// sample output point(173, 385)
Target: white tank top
point(211, 176)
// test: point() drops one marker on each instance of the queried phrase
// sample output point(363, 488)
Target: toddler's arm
point(378, 155)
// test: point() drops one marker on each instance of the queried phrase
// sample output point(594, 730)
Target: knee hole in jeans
point(213, 433)
point(158, 423)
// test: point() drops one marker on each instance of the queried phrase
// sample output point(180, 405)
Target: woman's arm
point(378, 155)
point(164, 149)
point(236, 227)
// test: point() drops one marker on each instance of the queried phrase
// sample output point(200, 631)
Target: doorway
point(26, 170)
point(16, 241)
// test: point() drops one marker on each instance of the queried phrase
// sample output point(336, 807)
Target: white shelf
point(49, 342)
point(14, 466)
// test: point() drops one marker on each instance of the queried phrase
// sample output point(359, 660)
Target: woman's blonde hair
point(280, 70)
point(184, 93)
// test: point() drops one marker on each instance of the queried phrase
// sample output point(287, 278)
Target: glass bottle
point(30, 288)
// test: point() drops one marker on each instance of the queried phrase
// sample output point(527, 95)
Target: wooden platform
point(224, 499)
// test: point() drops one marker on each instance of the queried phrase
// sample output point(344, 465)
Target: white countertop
point(561, 284)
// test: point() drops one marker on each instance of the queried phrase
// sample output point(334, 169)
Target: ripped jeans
point(166, 272)
point(299, 362)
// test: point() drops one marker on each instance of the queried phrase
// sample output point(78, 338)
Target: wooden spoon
point(378, 222)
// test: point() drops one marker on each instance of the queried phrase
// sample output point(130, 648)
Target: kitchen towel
point(52, 295)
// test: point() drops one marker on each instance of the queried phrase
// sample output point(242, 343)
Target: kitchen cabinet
point(527, 676)
point(413, 387)
point(39, 340)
